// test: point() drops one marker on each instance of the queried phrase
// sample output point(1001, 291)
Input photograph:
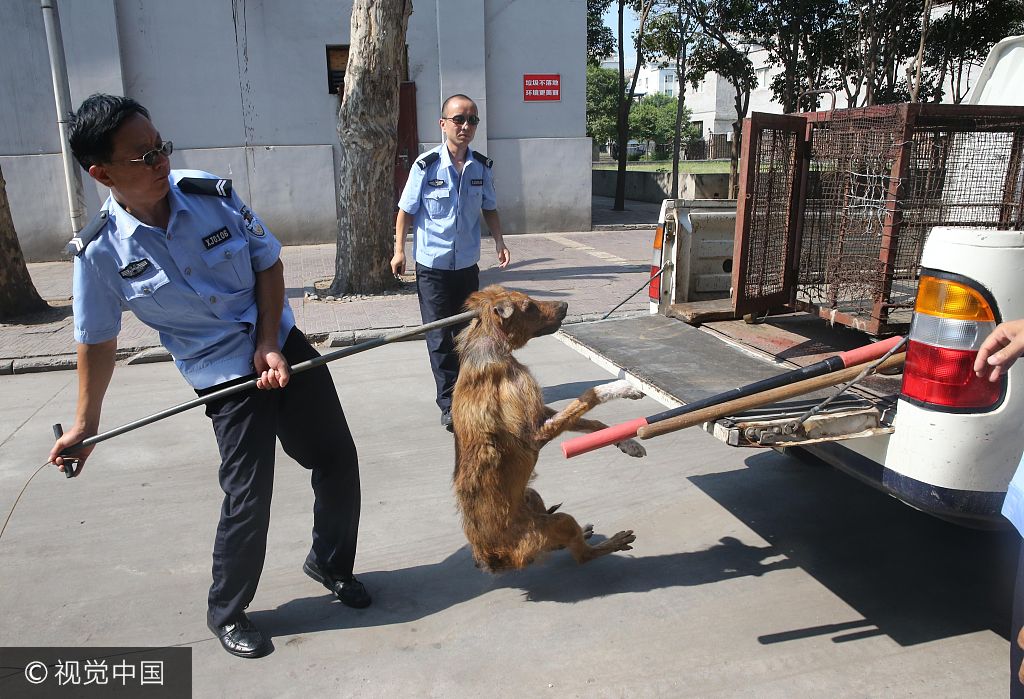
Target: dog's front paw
point(618, 389)
point(631, 447)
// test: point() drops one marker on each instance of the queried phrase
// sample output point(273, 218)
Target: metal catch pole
point(70, 472)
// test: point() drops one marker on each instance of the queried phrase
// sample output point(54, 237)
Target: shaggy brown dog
point(501, 423)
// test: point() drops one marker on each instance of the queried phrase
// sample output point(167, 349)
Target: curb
point(34, 365)
point(344, 338)
point(639, 227)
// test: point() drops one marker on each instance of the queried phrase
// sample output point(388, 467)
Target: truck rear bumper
point(683, 364)
point(969, 508)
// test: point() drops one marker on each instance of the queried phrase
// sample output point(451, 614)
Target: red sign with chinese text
point(542, 88)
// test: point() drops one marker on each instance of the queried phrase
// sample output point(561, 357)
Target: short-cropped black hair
point(91, 129)
point(457, 96)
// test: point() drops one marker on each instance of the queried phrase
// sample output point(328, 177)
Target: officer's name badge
point(477, 183)
point(134, 269)
point(216, 238)
point(436, 183)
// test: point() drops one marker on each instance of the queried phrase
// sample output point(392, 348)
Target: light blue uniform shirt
point(447, 208)
point(1013, 505)
point(193, 283)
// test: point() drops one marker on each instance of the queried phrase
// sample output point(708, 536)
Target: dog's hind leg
point(535, 503)
point(563, 531)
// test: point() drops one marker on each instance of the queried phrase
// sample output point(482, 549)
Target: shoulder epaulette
point(77, 244)
point(483, 159)
point(428, 159)
point(202, 185)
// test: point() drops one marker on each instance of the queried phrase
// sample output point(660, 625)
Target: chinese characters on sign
point(542, 88)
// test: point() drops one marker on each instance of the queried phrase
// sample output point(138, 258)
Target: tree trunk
point(680, 103)
point(368, 129)
point(18, 296)
point(742, 103)
point(626, 101)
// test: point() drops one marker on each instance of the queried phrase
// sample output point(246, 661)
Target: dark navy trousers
point(307, 417)
point(442, 292)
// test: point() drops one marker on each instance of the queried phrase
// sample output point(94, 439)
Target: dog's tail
point(551, 510)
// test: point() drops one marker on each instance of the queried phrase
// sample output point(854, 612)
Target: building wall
point(240, 86)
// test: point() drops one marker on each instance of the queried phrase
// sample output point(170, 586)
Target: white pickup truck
point(934, 436)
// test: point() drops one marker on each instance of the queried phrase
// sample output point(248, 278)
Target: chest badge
point(134, 269)
point(477, 182)
point(216, 238)
point(436, 183)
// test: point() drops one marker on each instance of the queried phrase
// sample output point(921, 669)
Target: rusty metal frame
point(753, 128)
point(912, 119)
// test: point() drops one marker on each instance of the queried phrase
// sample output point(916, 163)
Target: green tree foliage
point(642, 9)
point(653, 118)
point(670, 36)
point(867, 49)
point(960, 39)
point(600, 39)
point(802, 37)
point(728, 31)
point(602, 103)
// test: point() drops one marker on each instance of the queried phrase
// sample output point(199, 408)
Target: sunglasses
point(150, 158)
point(459, 119)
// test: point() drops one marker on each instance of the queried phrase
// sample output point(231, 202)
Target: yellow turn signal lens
point(948, 299)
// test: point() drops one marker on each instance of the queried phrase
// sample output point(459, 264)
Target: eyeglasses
point(460, 119)
point(150, 158)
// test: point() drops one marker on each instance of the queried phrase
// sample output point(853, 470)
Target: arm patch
point(77, 244)
point(202, 185)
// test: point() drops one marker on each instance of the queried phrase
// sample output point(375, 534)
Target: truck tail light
point(654, 289)
point(952, 318)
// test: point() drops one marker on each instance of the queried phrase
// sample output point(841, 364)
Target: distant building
point(250, 90)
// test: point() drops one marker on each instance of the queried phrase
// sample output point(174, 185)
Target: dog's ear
point(504, 309)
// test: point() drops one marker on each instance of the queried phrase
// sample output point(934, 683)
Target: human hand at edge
point(1000, 350)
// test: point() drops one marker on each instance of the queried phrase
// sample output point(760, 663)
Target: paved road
point(753, 574)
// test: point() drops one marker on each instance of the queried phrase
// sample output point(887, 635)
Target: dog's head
point(514, 315)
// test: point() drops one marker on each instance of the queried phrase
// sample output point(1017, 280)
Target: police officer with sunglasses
point(448, 190)
point(182, 251)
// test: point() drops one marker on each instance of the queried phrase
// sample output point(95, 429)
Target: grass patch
point(696, 167)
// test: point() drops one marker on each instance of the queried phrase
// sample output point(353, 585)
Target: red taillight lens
point(945, 377)
point(654, 290)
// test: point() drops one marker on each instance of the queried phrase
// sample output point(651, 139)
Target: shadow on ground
point(913, 577)
point(413, 593)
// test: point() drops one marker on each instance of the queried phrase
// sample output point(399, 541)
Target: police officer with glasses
point(182, 251)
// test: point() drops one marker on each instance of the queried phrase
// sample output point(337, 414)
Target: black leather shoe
point(347, 589)
point(241, 637)
point(446, 420)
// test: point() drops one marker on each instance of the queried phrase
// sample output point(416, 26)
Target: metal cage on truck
point(835, 206)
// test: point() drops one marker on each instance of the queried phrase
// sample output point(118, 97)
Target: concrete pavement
point(753, 574)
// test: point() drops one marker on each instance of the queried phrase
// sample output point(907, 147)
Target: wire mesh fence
point(872, 183)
